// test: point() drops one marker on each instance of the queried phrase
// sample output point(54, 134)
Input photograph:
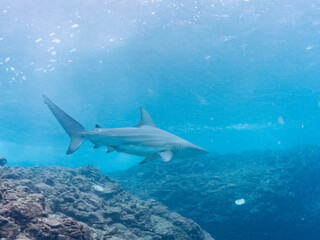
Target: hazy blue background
point(227, 75)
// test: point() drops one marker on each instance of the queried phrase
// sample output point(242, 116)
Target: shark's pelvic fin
point(149, 159)
point(111, 149)
point(146, 120)
point(96, 146)
point(166, 156)
point(74, 129)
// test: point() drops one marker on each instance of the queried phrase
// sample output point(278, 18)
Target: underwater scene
point(160, 119)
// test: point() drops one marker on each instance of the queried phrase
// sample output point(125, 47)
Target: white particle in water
point(73, 50)
point(56, 40)
point(38, 40)
point(280, 120)
point(75, 26)
point(240, 201)
point(51, 34)
point(7, 59)
point(309, 48)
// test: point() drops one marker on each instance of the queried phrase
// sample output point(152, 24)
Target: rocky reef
point(63, 203)
point(252, 195)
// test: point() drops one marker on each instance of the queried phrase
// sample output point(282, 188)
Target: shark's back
point(146, 136)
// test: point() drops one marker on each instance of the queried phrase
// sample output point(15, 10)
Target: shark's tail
point(73, 128)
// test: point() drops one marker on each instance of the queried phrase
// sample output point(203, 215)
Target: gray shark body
point(145, 139)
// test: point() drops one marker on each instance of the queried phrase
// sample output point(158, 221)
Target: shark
point(145, 139)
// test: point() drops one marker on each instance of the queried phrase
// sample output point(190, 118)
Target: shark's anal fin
point(146, 120)
point(166, 156)
point(111, 149)
point(149, 159)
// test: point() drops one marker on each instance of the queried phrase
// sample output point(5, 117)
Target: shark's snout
point(202, 151)
point(194, 150)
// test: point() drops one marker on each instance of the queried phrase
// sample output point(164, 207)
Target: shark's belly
point(140, 147)
point(139, 150)
point(134, 141)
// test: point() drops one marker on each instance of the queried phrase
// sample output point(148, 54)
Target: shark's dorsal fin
point(146, 120)
point(98, 126)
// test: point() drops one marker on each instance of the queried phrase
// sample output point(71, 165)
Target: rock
point(22, 237)
point(61, 203)
point(49, 182)
point(21, 210)
point(9, 229)
point(10, 176)
point(161, 225)
point(90, 172)
point(253, 195)
point(53, 221)
point(3, 161)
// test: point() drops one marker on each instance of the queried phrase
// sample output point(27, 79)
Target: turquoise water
point(229, 76)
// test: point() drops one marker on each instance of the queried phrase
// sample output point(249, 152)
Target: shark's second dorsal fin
point(146, 120)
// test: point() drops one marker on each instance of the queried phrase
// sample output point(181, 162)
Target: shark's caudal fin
point(72, 127)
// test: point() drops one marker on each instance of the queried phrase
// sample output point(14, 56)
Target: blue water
point(228, 76)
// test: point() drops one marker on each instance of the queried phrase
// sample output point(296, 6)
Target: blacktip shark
point(145, 139)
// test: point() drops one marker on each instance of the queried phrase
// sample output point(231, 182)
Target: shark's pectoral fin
point(149, 158)
point(166, 156)
point(96, 146)
point(111, 149)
